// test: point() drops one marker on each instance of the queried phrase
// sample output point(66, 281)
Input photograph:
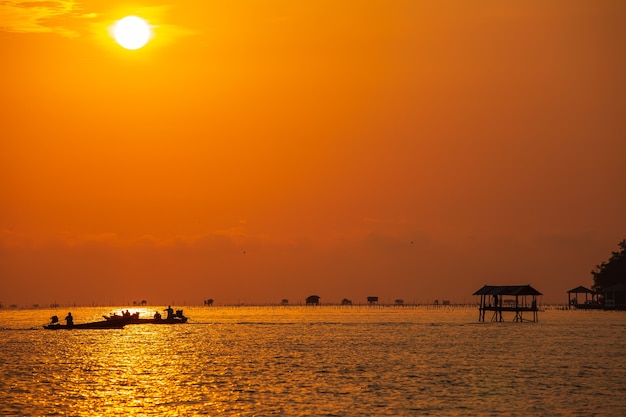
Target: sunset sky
point(255, 151)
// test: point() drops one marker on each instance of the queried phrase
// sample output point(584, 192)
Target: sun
point(132, 32)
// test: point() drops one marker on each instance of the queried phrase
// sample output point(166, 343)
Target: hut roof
point(580, 290)
point(507, 290)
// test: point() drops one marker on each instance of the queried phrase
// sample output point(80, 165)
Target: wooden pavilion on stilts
point(519, 299)
point(572, 299)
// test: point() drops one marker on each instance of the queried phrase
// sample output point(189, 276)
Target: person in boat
point(157, 315)
point(54, 319)
point(69, 319)
point(170, 312)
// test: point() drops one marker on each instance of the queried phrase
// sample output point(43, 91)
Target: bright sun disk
point(132, 32)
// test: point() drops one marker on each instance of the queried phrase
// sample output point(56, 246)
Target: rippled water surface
point(316, 361)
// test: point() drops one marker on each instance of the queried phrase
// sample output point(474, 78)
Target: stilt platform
point(518, 299)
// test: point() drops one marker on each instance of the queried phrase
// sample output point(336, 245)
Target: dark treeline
point(611, 272)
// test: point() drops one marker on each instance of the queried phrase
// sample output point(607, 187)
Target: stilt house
point(518, 299)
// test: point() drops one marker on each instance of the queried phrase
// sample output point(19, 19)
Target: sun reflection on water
point(120, 370)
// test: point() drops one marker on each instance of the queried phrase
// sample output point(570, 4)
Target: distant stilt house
point(208, 302)
point(313, 300)
point(372, 300)
point(591, 299)
point(284, 302)
point(514, 298)
point(399, 302)
point(615, 297)
point(346, 302)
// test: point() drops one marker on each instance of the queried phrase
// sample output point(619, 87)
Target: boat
point(93, 325)
point(127, 318)
point(145, 320)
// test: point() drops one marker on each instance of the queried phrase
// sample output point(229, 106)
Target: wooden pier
point(519, 299)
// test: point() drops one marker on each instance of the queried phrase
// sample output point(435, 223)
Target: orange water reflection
point(124, 372)
point(317, 361)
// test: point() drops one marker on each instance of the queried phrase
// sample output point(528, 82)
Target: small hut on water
point(313, 300)
point(615, 297)
point(591, 298)
point(515, 298)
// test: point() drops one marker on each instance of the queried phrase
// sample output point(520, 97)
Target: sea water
point(315, 361)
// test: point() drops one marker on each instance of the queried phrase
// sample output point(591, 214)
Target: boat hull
point(175, 320)
point(93, 325)
point(136, 320)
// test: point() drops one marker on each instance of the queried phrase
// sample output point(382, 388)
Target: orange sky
point(261, 150)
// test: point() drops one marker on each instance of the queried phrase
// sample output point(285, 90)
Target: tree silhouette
point(611, 272)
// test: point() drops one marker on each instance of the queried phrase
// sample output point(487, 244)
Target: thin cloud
point(70, 19)
point(41, 16)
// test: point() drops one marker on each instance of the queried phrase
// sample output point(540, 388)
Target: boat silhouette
point(127, 318)
point(92, 325)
